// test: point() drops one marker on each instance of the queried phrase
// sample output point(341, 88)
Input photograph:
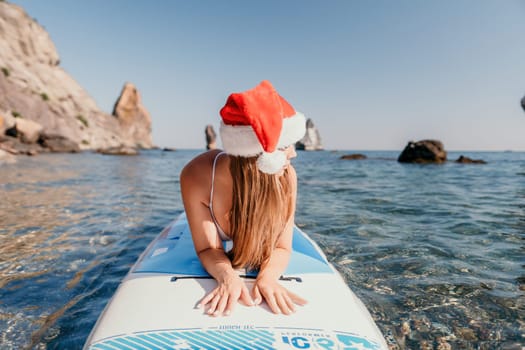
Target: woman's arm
point(278, 298)
point(208, 246)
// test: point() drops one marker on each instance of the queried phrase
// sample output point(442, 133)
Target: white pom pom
point(271, 163)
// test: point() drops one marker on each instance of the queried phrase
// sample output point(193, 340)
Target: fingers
point(282, 301)
point(279, 300)
point(256, 295)
point(272, 303)
point(221, 305)
point(245, 298)
point(297, 299)
point(288, 304)
point(212, 310)
point(204, 301)
point(222, 301)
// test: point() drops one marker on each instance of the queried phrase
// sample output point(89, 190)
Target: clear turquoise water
point(436, 252)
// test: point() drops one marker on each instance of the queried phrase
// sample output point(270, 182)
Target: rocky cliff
point(35, 89)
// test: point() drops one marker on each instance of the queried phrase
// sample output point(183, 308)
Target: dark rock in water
point(523, 103)
point(467, 160)
point(119, 151)
point(355, 156)
point(211, 137)
point(424, 151)
point(311, 140)
point(168, 149)
point(58, 143)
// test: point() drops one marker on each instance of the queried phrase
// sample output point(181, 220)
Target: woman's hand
point(278, 298)
point(222, 299)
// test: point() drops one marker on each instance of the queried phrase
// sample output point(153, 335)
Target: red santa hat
point(259, 122)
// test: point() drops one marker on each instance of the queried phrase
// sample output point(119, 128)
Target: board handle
point(282, 278)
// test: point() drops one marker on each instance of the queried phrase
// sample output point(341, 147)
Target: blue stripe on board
point(186, 336)
point(162, 339)
point(194, 338)
point(101, 347)
point(175, 340)
point(226, 339)
point(205, 337)
point(231, 338)
point(243, 336)
point(236, 336)
point(126, 342)
point(139, 340)
point(249, 339)
point(222, 340)
point(154, 341)
point(267, 338)
point(117, 345)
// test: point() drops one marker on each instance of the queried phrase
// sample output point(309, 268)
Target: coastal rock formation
point(211, 137)
point(134, 119)
point(424, 151)
point(523, 103)
point(6, 122)
point(26, 130)
point(58, 143)
point(311, 140)
point(467, 160)
point(355, 156)
point(15, 146)
point(34, 88)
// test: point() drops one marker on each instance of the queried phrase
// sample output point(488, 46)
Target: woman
point(246, 194)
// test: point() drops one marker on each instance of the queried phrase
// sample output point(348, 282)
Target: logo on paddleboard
point(239, 338)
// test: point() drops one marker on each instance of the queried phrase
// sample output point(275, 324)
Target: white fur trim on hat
point(271, 163)
point(240, 140)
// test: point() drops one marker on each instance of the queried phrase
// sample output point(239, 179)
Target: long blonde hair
point(261, 207)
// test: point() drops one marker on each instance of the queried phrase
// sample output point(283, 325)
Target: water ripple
point(435, 252)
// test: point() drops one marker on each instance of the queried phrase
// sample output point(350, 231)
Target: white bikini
point(222, 235)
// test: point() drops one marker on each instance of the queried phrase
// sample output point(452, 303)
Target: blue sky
point(372, 75)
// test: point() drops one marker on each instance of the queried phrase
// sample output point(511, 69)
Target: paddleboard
point(154, 306)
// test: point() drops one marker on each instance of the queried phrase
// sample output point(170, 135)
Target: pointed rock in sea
point(311, 140)
point(134, 119)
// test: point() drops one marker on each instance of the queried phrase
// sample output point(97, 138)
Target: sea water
point(436, 252)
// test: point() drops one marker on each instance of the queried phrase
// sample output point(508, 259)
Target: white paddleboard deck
point(154, 307)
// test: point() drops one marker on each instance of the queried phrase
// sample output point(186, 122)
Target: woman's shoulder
point(200, 166)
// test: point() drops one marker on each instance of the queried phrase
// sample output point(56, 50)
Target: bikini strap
point(221, 232)
point(213, 178)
